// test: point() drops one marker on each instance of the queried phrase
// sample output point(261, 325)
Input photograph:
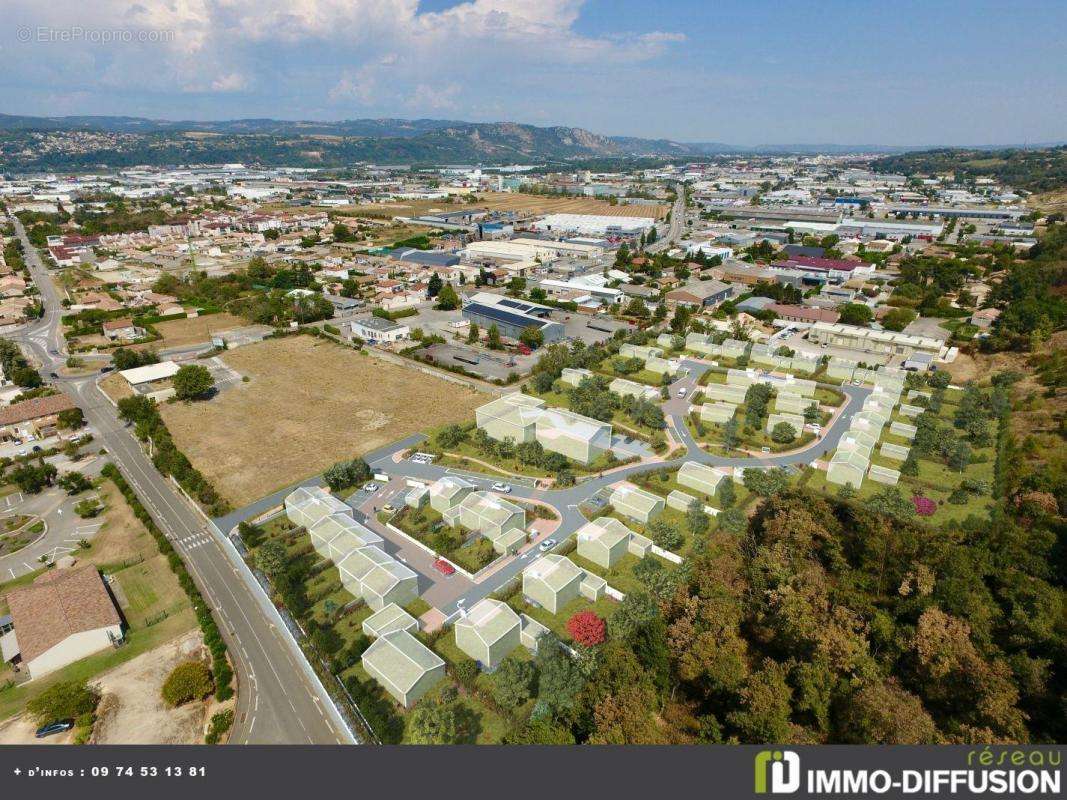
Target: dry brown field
point(307, 404)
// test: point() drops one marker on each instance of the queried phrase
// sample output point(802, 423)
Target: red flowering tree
point(924, 506)
point(586, 628)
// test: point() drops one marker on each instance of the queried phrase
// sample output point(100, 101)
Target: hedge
point(212, 638)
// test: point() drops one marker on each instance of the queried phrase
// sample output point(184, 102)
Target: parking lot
point(484, 363)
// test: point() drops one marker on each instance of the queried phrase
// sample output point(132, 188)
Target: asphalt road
point(280, 699)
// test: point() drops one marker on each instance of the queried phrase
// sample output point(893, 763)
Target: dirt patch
point(307, 404)
point(131, 709)
point(21, 730)
point(116, 387)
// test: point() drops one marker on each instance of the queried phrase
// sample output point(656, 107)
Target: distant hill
point(1040, 169)
point(126, 141)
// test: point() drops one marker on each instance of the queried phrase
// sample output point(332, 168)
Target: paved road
point(280, 700)
point(64, 529)
point(676, 226)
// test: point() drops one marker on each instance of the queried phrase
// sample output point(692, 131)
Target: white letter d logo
point(785, 773)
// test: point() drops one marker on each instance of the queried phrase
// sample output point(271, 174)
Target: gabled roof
point(60, 604)
point(401, 658)
point(35, 409)
point(554, 571)
point(490, 620)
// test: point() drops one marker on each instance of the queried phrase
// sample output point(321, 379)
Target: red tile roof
point(58, 605)
point(35, 409)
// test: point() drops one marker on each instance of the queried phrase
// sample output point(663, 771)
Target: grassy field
point(308, 403)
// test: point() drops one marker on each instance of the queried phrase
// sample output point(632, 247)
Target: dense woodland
point(1037, 170)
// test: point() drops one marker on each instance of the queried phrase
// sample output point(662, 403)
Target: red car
point(444, 567)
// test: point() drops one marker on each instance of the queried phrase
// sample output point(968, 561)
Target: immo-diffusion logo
point(783, 766)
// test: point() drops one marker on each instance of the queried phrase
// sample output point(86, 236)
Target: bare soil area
point(307, 404)
point(131, 710)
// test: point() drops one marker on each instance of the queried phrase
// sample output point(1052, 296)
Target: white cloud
point(348, 53)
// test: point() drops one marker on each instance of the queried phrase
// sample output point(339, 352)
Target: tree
point(472, 333)
point(32, 478)
point(124, 358)
point(188, 681)
point(664, 535)
point(733, 520)
point(783, 433)
point(696, 518)
point(532, 337)
point(70, 418)
point(492, 337)
point(65, 700)
point(586, 628)
point(74, 483)
point(882, 712)
point(636, 308)
point(447, 299)
point(434, 285)
point(897, 319)
point(811, 414)
point(727, 493)
point(766, 482)
point(272, 559)
point(192, 381)
point(446, 722)
point(512, 683)
point(855, 314)
point(559, 678)
point(450, 436)
point(730, 438)
point(345, 474)
point(764, 707)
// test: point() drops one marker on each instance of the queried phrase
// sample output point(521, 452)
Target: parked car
point(546, 545)
point(388, 508)
point(52, 728)
point(444, 567)
point(106, 369)
point(682, 391)
point(503, 488)
point(371, 487)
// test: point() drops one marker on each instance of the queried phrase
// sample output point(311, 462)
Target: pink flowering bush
point(924, 506)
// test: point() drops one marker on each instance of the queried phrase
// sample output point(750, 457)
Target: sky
point(951, 72)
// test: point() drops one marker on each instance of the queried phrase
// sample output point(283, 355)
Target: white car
point(370, 487)
point(503, 488)
point(682, 391)
point(546, 545)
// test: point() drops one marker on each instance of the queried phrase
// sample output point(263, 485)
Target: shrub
point(924, 506)
point(188, 681)
point(586, 628)
point(66, 700)
point(220, 723)
point(466, 671)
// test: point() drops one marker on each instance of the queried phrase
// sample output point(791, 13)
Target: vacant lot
point(185, 332)
point(307, 404)
point(510, 201)
point(133, 712)
point(536, 204)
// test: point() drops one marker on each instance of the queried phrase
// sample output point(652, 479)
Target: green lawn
point(12, 700)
